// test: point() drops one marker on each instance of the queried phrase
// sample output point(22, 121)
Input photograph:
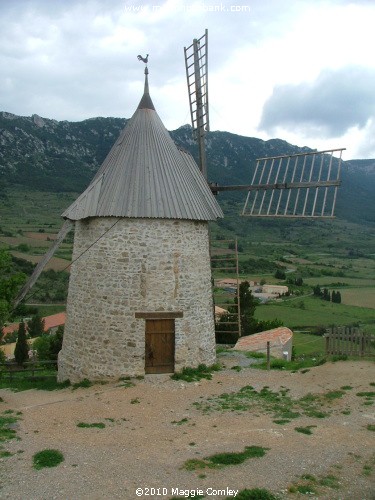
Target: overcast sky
point(299, 70)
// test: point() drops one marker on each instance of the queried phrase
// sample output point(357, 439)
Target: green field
point(311, 311)
point(336, 254)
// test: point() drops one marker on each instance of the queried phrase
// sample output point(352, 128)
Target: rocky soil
point(153, 427)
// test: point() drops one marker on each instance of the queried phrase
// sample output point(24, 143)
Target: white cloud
point(77, 59)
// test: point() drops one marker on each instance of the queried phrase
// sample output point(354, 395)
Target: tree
point(9, 284)
point(326, 294)
point(21, 351)
point(317, 291)
point(49, 346)
point(35, 326)
point(336, 297)
point(56, 342)
point(280, 275)
point(248, 304)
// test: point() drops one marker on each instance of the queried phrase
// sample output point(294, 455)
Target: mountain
point(62, 156)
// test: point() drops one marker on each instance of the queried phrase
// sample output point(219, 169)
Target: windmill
point(302, 185)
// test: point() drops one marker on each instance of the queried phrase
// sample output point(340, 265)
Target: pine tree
point(338, 297)
point(317, 291)
point(248, 304)
point(21, 351)
point(35, 326)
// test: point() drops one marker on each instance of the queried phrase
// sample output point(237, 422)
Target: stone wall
point(138, 265)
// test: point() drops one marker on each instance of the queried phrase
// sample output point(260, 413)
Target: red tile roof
point(52, 321)
point(277, 337)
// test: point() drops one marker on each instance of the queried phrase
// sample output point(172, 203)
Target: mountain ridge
point(63, 156)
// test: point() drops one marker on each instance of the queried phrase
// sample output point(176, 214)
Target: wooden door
point(159, 346)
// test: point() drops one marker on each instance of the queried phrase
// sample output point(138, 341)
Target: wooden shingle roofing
point(145, 175)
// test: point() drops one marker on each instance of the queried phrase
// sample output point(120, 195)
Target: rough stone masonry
point(139, 265)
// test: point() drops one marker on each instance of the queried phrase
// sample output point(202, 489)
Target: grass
point(309, 484)
point(254, 494)
point(46, 381)
point(195, 374)
point(276, 403)
point(330, 395)
point(85, 425)
point(47, 458)
point(6, 421)
point(85, 384)
point(307, 344)
point(370, 427)
point(330, 482)
point(180, 422)
point(305, 430)
point(225, 459)
point(298, 364)
point(316, 312)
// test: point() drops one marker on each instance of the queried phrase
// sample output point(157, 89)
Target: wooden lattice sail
point(196, 64)
point(298, 185)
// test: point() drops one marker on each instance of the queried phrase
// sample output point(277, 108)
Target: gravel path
point(153, 427)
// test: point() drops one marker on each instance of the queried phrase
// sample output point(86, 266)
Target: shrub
point(47, 458)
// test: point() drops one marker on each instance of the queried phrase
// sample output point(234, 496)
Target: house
point(281, 342)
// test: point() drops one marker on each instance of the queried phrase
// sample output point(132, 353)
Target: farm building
point(280, 339)
point(275, 289)
point(140, 298)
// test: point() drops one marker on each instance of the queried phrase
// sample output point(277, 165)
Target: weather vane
point(144, 59)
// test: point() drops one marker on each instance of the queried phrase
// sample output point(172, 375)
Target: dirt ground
point(153, 428)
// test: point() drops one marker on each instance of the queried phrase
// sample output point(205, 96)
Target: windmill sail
point(196, 64)
point(300, 185)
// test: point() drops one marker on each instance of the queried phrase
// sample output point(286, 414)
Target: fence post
point(327, 343)
point(268, 356)
point(362, 344)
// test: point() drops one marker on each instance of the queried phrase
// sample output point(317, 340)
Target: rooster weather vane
point(144, 59)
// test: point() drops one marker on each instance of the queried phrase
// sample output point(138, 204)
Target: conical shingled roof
point(145, 175)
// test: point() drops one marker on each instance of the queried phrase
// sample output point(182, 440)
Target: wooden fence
point(349, 341)
point(11, 370)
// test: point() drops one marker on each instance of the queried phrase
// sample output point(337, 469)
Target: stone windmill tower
point(140, 298)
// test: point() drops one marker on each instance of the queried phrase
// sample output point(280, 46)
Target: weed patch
point(330, 482)
point(195, 374)
point(254, 494)
point(47, 458)
point(255, 355)
point(85, 425)
point(302, 364)
point(305, 430)
point(85, 384)
point(224, 459)
point(330, 395)
point(276, 403)
point(180, 422)
point(7, 419)
point(370, 427)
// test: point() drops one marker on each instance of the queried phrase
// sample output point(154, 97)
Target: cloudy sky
point(299, 70)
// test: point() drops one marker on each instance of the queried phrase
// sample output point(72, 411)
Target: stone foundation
point(137, 266)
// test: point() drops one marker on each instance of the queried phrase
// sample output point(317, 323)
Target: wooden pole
point(268, 356)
